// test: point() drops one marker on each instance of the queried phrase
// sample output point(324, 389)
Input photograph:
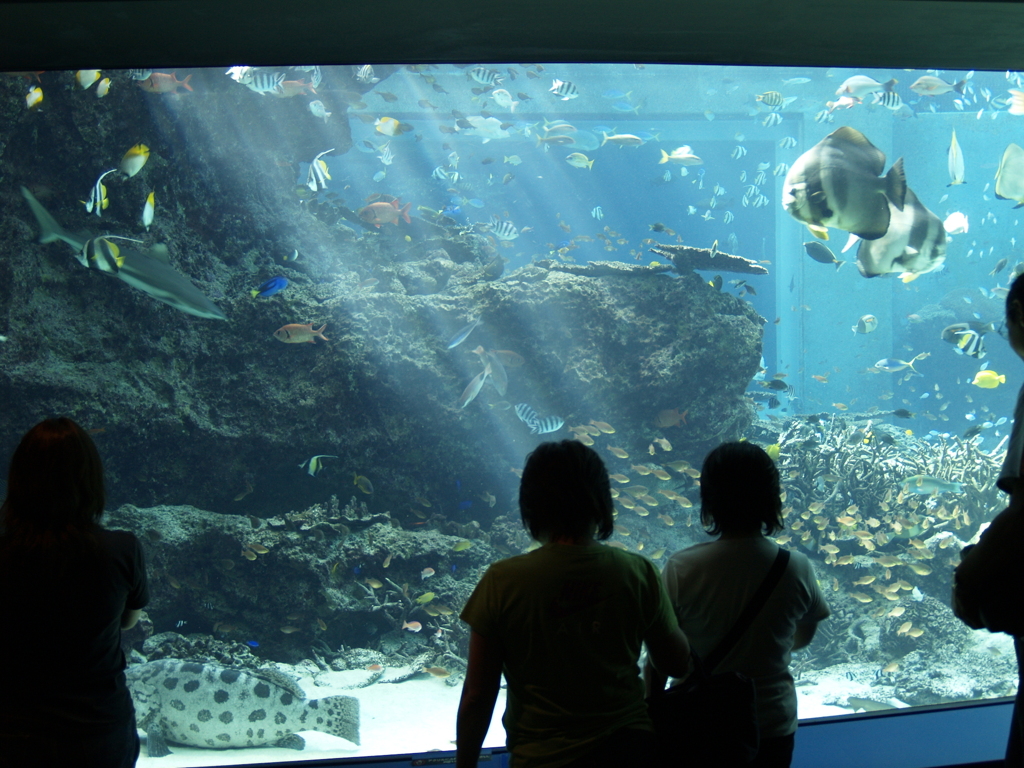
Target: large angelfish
point(915, 243)
point(149, 272)
point(838, 183)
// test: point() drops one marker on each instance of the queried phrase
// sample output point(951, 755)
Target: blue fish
point(565, 244)
point(466, 504)
point(476, 202)
point(451, 210)
point(622, 106)
point(272, 286)
point(615, 95)
point(252, 643)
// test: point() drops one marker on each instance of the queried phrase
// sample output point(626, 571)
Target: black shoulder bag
point(711, 720)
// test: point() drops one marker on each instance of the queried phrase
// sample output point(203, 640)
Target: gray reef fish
point(914, 243)
point(822, 254)
point(213, 707)
point(928, 485)
point(866, 324)
point(149, 273)
point(838, 183)
point(473, 389)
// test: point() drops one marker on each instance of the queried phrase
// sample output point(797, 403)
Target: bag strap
point(749, 612)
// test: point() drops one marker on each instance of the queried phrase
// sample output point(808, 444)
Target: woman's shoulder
point(118, 540)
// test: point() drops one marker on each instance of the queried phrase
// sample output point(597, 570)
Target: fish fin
point(49, 229)
point(896, 185)
point(184, 83)
point(839, 264)
point(817, 231)
point(405, 213)
point(160, 252)
point(959, 87)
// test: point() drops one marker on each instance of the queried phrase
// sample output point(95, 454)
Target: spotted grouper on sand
point(214, 707)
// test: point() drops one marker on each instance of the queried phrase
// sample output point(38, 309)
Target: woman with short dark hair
point(710, 584)
point(67, 589)
point(565, 623)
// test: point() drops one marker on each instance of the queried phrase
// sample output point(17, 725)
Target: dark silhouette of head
point(739, 490)
point(55, 484)
point(1015, 300)
point(564, 491)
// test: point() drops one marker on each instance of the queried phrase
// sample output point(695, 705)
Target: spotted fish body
point(214, 707)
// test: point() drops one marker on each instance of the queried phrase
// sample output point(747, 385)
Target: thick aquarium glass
point(316, 317)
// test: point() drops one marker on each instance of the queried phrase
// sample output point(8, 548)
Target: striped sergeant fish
point(318, 176)
point(564, 89)
point(265, 82)
point(386, 156)
point(537, 425)
point(485, 76)
point(364, 74)
point(503, 230)
point(771, 99)
point(888, 99)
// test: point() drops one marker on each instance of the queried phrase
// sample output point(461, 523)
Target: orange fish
point(296, 334)
point(290, 88)
point(384, 213)
point(160, 82)
point(412, 626)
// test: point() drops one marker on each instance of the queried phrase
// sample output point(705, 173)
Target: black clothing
point(61, 663)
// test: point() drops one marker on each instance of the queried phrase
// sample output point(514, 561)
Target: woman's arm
point(667, 656)
point(479, 692)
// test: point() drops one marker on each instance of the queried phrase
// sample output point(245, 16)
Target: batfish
point(915, 243)
point(1010, 176)
point(838, 183)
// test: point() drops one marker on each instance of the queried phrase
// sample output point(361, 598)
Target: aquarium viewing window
point(316, 317)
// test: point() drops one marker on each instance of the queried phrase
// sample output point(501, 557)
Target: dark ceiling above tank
point(163, 33)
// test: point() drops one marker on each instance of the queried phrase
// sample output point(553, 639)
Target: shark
point(149, 272)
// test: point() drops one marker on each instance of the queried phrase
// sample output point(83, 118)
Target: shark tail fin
point(49, 229)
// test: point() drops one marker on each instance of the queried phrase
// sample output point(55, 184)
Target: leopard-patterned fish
point(214, 707)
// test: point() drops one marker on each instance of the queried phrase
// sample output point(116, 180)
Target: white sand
point(418, 715)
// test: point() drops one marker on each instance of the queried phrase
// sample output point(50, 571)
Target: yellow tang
point(462, 546)
point(425, 598)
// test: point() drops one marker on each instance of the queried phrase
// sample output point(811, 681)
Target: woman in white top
point(709, 585)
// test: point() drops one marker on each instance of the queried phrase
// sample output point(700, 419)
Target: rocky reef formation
point(196, 411)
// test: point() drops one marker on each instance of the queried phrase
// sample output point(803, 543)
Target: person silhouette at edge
point(989, 582)
point(67, 589)
point(565, 623)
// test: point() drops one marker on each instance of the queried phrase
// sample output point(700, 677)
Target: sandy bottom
point(418, 715)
